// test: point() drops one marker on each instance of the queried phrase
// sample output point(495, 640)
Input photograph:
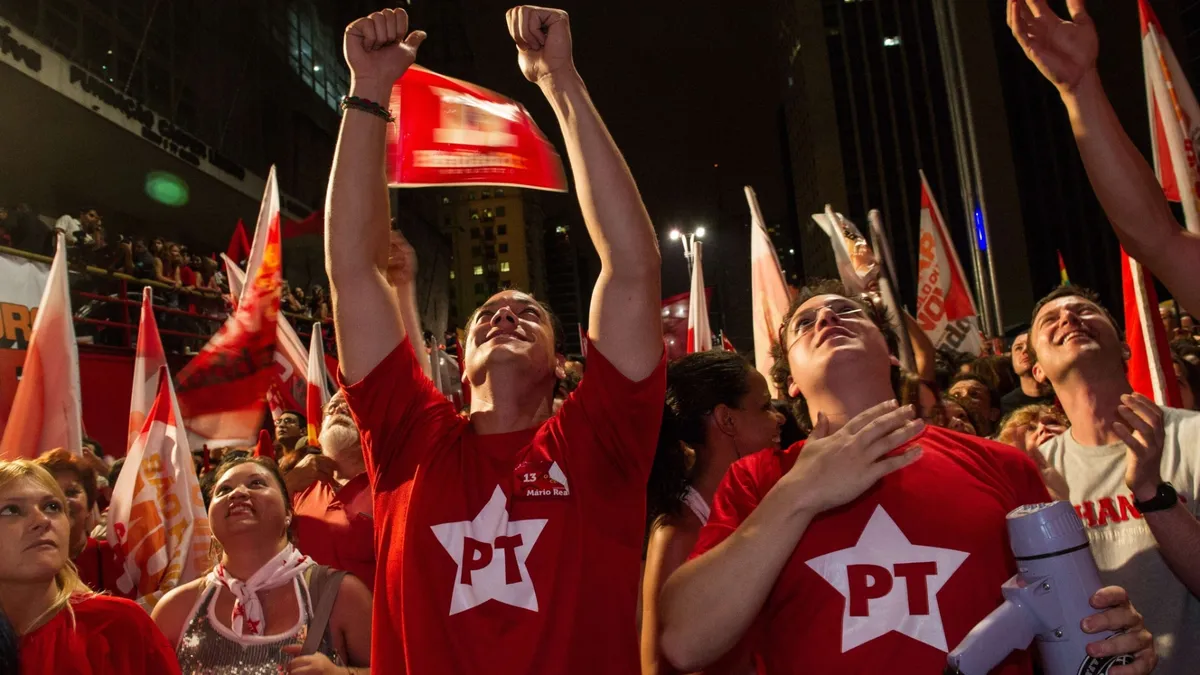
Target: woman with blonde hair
point(265, 608)
point(1026, 429)
point(63, 626)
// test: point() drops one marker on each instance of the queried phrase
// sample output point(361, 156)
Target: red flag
point(149, 359)
point(221, 391)
point(945, 310)
point(239, 243)
point(265, 447)
point(727, 345)
point(157, 521)
point(1149, 369)
point(769, 298)
point(583, 340)
point(1174, 118)
point(1062, 271)
point(313, 224)
point(45, 412)
point(699, 334)
point(450, 132)
point(318, 389)
point(675, 322)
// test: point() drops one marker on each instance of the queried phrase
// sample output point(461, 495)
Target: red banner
point(450, 132)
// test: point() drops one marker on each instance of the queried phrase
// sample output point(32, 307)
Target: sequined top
point(207, 647)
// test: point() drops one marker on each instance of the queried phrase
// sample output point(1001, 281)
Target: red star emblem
point(251, 626)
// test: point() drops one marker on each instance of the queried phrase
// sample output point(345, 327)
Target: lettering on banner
point(932, 310)
point(20, 52)
point(870, 582)
point(16, 325)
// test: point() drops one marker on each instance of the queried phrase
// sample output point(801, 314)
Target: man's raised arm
point(624, 322)
point(1065, 52)
point(378, 49)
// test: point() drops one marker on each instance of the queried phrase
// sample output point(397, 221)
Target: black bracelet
point(367, 106)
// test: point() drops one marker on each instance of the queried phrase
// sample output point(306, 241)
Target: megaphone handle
point(1010, 626)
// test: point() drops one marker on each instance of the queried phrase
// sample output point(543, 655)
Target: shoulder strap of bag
point(323, 587)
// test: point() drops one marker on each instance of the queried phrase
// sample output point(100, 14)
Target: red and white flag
point(727, 345)
point(291, 358)
point(699, 335)
point(1174, 131)
point(1174, 118)
point(769, 297)
point(318, 388)
point(148, 360)
point(46, 413)
point(945, 309)
point(157, 521)
point(223, 389)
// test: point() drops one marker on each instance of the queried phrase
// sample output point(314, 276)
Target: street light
point(689, 243)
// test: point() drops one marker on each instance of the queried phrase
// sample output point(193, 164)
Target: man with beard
point(331, 498)
point(1030, 391)
point(1132, 469)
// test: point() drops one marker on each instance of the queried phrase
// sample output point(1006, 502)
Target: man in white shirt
point(70, 226)
point(1132, 470)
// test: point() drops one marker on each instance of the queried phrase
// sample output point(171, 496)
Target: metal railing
point(107, 308)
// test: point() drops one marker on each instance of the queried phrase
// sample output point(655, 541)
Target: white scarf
point(247, 609)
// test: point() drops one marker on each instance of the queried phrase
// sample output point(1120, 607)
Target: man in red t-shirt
point(331, 498)
point(509, 540)
point(875, 546)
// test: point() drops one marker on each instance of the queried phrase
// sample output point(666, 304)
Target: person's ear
point(722, 417)
point(560, 366)
point(1039, 375)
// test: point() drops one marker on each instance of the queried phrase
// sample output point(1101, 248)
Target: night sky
point(681, 87)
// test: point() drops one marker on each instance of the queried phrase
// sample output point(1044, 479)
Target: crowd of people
point(837, 515)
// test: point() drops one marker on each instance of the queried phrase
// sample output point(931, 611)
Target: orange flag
point(46, 412)
point(157, 521)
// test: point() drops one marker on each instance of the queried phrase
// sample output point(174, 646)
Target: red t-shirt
point(335, 527)
point(510, 553)
point(187, 276)
point(895, 579)
point(110, 636)
point(99, 567)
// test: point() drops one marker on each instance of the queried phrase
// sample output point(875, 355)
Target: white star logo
point(490, 552)
point(889, 584)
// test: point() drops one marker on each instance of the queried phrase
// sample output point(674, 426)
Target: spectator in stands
point(289, 301)
point(302, 300)
point(209, 278)
point(63, 626)
point(290, 428)
point(167, 264)
point(980, 400)
point(257, 608)
point(96, 561)
point(78, 228)
point(332, 498)
point(911, 390)
point(318, 304)
point(145, 264)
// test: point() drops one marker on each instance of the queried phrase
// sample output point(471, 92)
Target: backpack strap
point(323, 587)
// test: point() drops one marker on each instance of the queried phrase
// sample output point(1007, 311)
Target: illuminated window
point(486, 194)
point(504, 267)
point(445, 200)
point(451, 274)
point(478, 270)
point(893, 41)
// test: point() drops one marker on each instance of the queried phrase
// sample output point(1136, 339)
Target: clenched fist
point(379, 48)
point(543, 39)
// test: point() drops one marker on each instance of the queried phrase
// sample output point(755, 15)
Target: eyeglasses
point(807, 320)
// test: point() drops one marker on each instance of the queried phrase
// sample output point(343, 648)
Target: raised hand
point(379, 48)
point(834, 469)
point(402, 260)
point(1141, 429)
point(543, 39)
point(1065, 51)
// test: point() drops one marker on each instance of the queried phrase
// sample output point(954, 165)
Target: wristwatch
point(1163, 499)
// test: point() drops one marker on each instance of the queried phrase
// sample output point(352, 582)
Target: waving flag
point(1063, 278)
point(239, 243)
point(699, 335)
point(1174, 118)
point(318, 388)
point(148, 360)
point(291, 358)
point(945, 310)
point(223, 389)
point(1174, 130)
point(45, 413)
point(157, 521)
point(769, 297)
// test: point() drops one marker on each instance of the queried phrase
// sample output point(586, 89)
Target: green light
point(166, 188)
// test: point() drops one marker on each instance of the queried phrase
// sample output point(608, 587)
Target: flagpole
point(960, 155)
point(973, 148)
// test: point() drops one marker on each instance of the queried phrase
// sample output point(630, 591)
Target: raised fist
point(543, 39)
point(379, 48)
